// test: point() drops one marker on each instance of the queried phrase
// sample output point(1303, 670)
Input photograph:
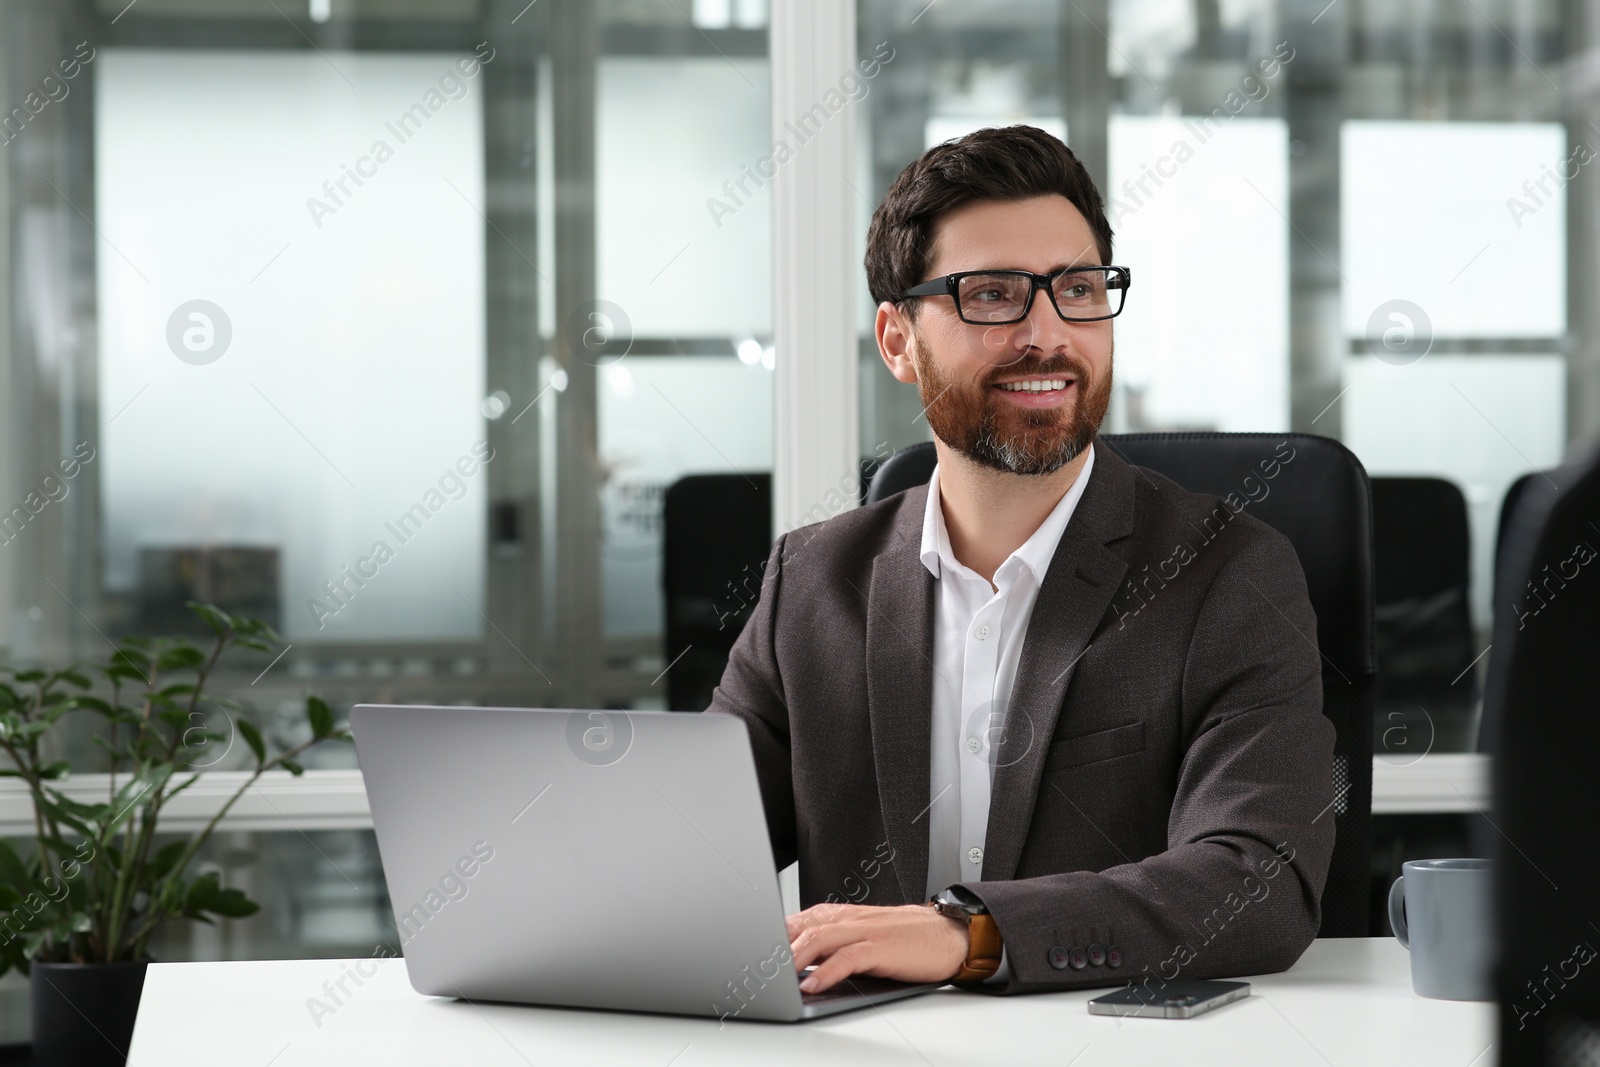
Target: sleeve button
point(1077, 959)
point(1058, 957)
point(1097, 955)
point(1113, 956)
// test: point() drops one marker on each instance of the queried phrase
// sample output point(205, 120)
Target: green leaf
point(252, 737)
point(167, 855)
point(62, 813)
point(30, 731)
point(135, 795)
point(58, 769)
point(292, 767)
point(321, 717)
point(60, 847)
point(251, 642)
point(250, 627)
point(193, 778)
point(233, 904)
point(74, 676)
point(129, 663)
point(29, 677)
point(93, 704)
point(181, 657)
point(207, 895)
point(201, 891)
point(213, 616)
point(13, 872)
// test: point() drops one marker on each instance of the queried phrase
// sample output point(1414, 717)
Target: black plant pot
point(83, 1012)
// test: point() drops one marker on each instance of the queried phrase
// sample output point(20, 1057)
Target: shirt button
point(973, 744)
point(975, 855)
point(982, 631)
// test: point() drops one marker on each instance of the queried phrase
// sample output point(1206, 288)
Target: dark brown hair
point(1011, 163)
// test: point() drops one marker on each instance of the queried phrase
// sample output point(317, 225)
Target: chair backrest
point(908, 467)
point(1321, 501)
point(1542, 720)
point(716, 533)
point(1421, 560)
point(1508, 507)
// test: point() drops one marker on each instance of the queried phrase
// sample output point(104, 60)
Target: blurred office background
point(564, 259)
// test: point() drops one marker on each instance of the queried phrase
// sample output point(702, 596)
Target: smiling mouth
point(1045, 385)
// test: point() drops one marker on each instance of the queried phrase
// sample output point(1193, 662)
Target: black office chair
point(1508, 507)
point(1322, 503)
point(1542, 719)
point(716, 533)
point(1421, 557)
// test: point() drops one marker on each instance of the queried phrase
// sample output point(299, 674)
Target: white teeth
point(1034, 386)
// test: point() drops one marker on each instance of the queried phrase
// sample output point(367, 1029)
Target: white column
point(816, 446)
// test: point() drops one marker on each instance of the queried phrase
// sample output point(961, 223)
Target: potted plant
point(78, 908)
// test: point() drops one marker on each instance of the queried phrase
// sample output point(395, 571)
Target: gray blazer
point(1162, 799)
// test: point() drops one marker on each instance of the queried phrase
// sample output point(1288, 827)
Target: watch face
point(957, 900)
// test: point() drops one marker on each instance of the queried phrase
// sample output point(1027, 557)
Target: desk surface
point(1348, 1001)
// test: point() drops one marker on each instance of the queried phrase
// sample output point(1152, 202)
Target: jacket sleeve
point(1250, 834)
point(752, 690)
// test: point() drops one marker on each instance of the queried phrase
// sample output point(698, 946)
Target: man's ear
point(895, 342)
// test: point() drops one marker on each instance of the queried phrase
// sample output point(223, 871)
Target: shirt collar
point(1035, 553)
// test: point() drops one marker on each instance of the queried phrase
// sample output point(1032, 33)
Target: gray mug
point(1440, 910)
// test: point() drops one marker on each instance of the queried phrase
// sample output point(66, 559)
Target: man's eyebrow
point(1090, 262)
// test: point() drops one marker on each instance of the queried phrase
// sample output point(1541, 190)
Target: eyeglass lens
point(1003, 298)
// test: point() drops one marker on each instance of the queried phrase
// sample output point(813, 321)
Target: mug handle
point(1397, 912)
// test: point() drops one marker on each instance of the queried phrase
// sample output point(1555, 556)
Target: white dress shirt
point(978, 630)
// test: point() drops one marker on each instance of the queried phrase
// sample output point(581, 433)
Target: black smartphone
point(1178, 999)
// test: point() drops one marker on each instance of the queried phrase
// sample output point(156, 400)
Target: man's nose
point(1043, 330)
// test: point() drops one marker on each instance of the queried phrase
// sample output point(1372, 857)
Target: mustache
point(1056, 367)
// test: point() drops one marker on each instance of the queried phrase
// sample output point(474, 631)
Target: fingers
point(817, 915)
point(858, 957)
point(818, 942)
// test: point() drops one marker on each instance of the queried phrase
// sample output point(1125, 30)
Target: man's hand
point(911, 942)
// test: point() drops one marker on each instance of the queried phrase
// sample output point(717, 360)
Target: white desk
point(1348, 1001)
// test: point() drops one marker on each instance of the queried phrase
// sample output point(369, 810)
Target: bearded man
point(986, 773)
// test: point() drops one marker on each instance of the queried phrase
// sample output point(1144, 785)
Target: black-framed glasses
point(1001, 297)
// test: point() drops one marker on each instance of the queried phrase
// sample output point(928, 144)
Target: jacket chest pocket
point(1095, 747)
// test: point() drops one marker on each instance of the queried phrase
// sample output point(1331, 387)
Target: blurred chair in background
point(1424, 623)
point(716, 534)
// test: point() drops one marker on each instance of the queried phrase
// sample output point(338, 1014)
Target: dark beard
point(971, 421)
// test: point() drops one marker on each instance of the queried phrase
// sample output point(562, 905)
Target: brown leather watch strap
point(983, 950)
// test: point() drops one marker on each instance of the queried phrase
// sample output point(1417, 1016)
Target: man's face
point(971, 377)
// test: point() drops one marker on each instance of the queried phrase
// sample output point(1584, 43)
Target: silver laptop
point(595, 859)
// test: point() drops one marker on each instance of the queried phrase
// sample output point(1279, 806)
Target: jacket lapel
point(900, 691)
point(1078, 586)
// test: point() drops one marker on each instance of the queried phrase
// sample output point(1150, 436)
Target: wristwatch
point(983, 936)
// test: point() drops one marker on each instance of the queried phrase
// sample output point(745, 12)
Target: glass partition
point(1359, 183)
point(393, 323)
